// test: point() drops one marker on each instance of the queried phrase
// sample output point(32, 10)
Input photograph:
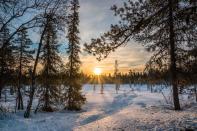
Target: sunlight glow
point(97, 71)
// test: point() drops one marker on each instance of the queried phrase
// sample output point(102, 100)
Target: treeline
point(38, 64)
point(154, 77)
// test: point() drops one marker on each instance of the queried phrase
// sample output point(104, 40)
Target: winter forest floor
point(126, 110)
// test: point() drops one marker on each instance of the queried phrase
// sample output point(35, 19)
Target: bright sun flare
point(97, 71)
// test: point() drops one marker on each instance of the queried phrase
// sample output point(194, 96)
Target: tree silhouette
point(51, 63)
point(73, 94)
point(7, 60)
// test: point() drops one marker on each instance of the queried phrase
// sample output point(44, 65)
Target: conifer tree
point(74, 98)
point(51, 62)
point(25, 57)
point(6, 58)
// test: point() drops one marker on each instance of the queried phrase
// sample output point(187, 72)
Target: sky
point(95, 19)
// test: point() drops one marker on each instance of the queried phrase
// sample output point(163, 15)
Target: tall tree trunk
point(1, 75)
point(46, 97)
point(47, 76)
point(20, 98)
point(33, 77)
point(1, 84)
point(69, 97)
point(32, 90)
point(46, 100)
point(71, 77)
point(173, 58)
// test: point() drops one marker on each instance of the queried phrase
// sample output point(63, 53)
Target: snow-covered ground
point(126, 110)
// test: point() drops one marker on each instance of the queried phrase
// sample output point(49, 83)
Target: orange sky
point(128, 58)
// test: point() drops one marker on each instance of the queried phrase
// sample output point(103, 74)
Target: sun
point(97, 71)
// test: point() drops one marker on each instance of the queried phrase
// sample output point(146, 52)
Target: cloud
point(95, 17)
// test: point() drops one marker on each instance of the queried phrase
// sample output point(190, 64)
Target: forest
point(44, 84)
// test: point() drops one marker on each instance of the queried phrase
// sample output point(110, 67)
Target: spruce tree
point(6, 58)
point(51, 62)
point(74, 98)
point(25, 57)
point(162, 26)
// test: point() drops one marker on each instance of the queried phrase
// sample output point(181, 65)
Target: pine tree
point(25, 57)
point(51, 63)
point(73, 95)
point(6, 58)
point(162, 26)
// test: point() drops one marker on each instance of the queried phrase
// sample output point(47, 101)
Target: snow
point(126, 110)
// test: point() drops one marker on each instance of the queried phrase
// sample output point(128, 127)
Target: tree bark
point(32, 90)
point(27, 112)
point(2, 74)
point(1, 85)
point(20, 98)
point(46, 97)
point(173, 58)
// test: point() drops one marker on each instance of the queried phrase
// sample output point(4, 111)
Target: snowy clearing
point(126, 110)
